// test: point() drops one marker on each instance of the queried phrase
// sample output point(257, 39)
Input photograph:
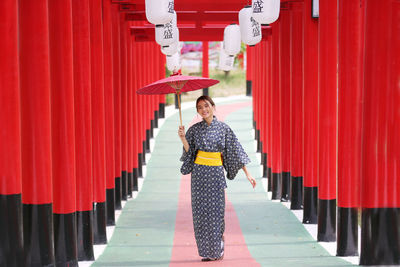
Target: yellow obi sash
point(208, 158)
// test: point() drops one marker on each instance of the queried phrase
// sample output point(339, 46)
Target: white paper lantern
point(250, 29)
point(167, 34)
point(266, 11)
point(225, 61)
point(174, 62)
point(159, 11)
point(172, 48)
point(232, 40)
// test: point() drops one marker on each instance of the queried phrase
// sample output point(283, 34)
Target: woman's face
point(205, 109)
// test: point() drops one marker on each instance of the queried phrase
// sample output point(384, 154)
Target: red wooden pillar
point(162, 97)
point(380, 199)
point(83, 129)
point(327, 120)
point(117, 103)
point(11, 241)
point(162, 75)
point(255, 88)
point(276, 115)
point(205, 64)
point(285, 78)
point(36, 137)
point(259, 101)
point(146, 79)
point(254, 76)
point(310, 123)
point(140, 107)
point(157, 76)
point(263, 107)
point(130, 108)
point(350, 64)
point(152, 78)
point(124, 109)
point(269, 110)
point(256, 97)
point(156, 98)
point(136, 137)
point(109, 112)
point(63, 132)
point(145, 100)
point(296, 104)
point(249, 69)
point(98, 115)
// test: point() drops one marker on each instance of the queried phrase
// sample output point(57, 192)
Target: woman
point(209, 147)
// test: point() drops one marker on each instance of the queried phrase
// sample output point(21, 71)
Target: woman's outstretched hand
point(182, 136)
point(252, 180)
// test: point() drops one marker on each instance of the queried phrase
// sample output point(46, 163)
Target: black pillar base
point(380, 236)
point(255, 130)
point(140, 169)
point(156, 119)
point(135, 175)
point(124, 185)
point(99, 223)
point(147, 143)
point(347, 232)
point(326, 220)
point(65, 244)
point(264, 163)
point(38, 235)
point(248, 87)
point(144, 153)
point(85, 239)
point(269, 175)
point(297, 193)
point(285, 197)
point(152, 123)
point(262, 158)
point(205, 91)
point(110, 199)
point(130, 184)
point(276, 185)
point(259, 142)
point(118, 193)
point(161, 110)
point(310, 210)
point(11, 235)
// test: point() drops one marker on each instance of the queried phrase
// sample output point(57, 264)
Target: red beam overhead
point(200, 20)
point(199, 5)
point(227, 17)
point(188, 32)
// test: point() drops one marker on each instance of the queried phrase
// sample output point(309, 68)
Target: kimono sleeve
point(234, 156)
point(188, 157)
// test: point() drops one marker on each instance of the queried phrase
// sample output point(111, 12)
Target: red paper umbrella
point(176, 84)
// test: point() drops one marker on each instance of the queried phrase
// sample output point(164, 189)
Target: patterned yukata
point(208, 182)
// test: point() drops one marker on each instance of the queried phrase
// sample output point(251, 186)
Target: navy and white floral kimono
point(208, 182)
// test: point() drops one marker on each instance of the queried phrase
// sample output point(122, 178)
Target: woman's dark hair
point(205, 98)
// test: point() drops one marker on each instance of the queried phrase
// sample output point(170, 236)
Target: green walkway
point(145, 230)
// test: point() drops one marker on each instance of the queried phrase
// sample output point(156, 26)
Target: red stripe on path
point(184, 250)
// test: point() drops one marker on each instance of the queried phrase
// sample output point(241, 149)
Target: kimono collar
point(214, 121)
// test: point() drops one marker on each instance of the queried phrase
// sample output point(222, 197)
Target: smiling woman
point(210, 146)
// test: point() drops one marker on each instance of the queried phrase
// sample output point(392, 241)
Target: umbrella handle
point(179, 105)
